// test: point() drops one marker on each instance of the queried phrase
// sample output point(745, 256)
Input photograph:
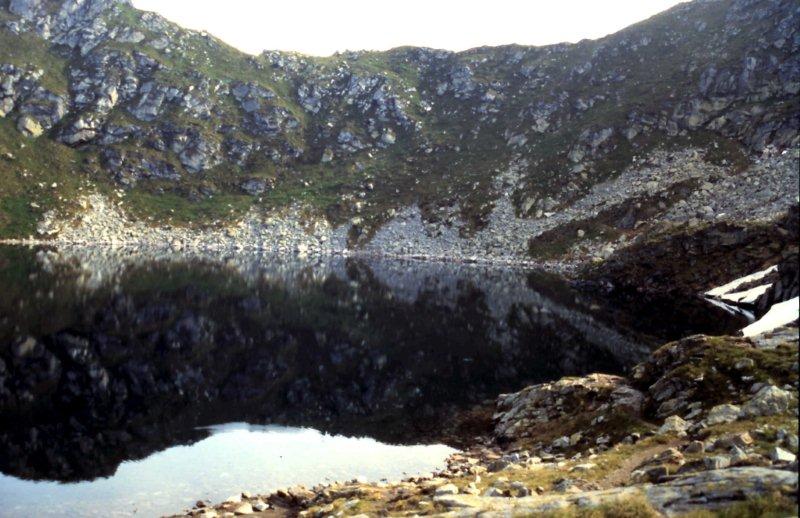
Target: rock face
point(770, 400)
point(787, 286)
point(694, 382)
point(681, 495)
point(519, 414)
point(562, 118)
point(695, 256)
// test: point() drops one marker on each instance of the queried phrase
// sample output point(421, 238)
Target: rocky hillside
point(701, 429)
point(179, 128)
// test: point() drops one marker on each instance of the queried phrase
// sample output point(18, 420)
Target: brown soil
point(621, 475)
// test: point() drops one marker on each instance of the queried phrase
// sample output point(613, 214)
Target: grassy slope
point(461, 169)
point(27, 180)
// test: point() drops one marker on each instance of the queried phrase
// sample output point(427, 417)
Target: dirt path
point(620, 476)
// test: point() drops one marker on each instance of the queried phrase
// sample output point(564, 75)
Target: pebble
point(674, 424)
point(243, 508)
point(447, 489)
point(780, 455)
point(717, 462)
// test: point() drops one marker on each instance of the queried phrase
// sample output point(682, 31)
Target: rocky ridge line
point(156, 109)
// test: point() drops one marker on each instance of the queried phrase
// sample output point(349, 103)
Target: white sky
point(322, 27)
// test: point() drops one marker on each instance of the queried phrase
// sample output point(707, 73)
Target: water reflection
point(110, 355)
point(235, 457)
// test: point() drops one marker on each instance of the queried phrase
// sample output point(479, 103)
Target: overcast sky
point(322, 27)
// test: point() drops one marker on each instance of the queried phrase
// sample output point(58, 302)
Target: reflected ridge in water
point(107, 355)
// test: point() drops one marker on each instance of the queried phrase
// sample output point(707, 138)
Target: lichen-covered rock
point(592, 104)
point(723, 414)
point(152, 97)
point(769, 400)
point(681, 494)
point(29, 126)
point(199, 154)
point(701, 370)
point(518, 414)
point(674, 424)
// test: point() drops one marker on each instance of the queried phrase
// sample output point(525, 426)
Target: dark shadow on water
point(106, 357)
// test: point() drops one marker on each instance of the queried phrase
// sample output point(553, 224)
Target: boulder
point(388, 138)
point(717, 462)
point(674, 424)
point(6, 105)
point(518, 413)
point(29, 126)
point(447, 489)
point(196, 152)
point(254, 186)
point(723, 414)
point(769, 400)
point(780, 455)
point(148, 108)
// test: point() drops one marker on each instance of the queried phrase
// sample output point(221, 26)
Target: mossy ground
point(27, 180)
point(467, 150)
point(715, 361)
point(777, 506)
point(723, 369)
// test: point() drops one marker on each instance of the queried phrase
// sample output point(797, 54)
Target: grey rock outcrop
point(478, 151)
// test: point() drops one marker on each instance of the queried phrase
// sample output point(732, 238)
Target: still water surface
point(236, 457)
point(119, 372)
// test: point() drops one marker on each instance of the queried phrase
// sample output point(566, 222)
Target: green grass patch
point(773, 506)
point(27, 180)
point(29, 51)
point(169, 208)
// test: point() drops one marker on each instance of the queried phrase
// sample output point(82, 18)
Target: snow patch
point(777, 316)
point(746, 297)
point(731, 286)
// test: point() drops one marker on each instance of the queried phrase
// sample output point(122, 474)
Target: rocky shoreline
point(601, 442)
point(566, 268)
point(705, 424)
point(662, 159)
point(666, 190)
point(716, 414)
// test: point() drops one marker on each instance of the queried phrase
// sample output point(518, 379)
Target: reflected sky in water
point(118, 370)
point(236, 457)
